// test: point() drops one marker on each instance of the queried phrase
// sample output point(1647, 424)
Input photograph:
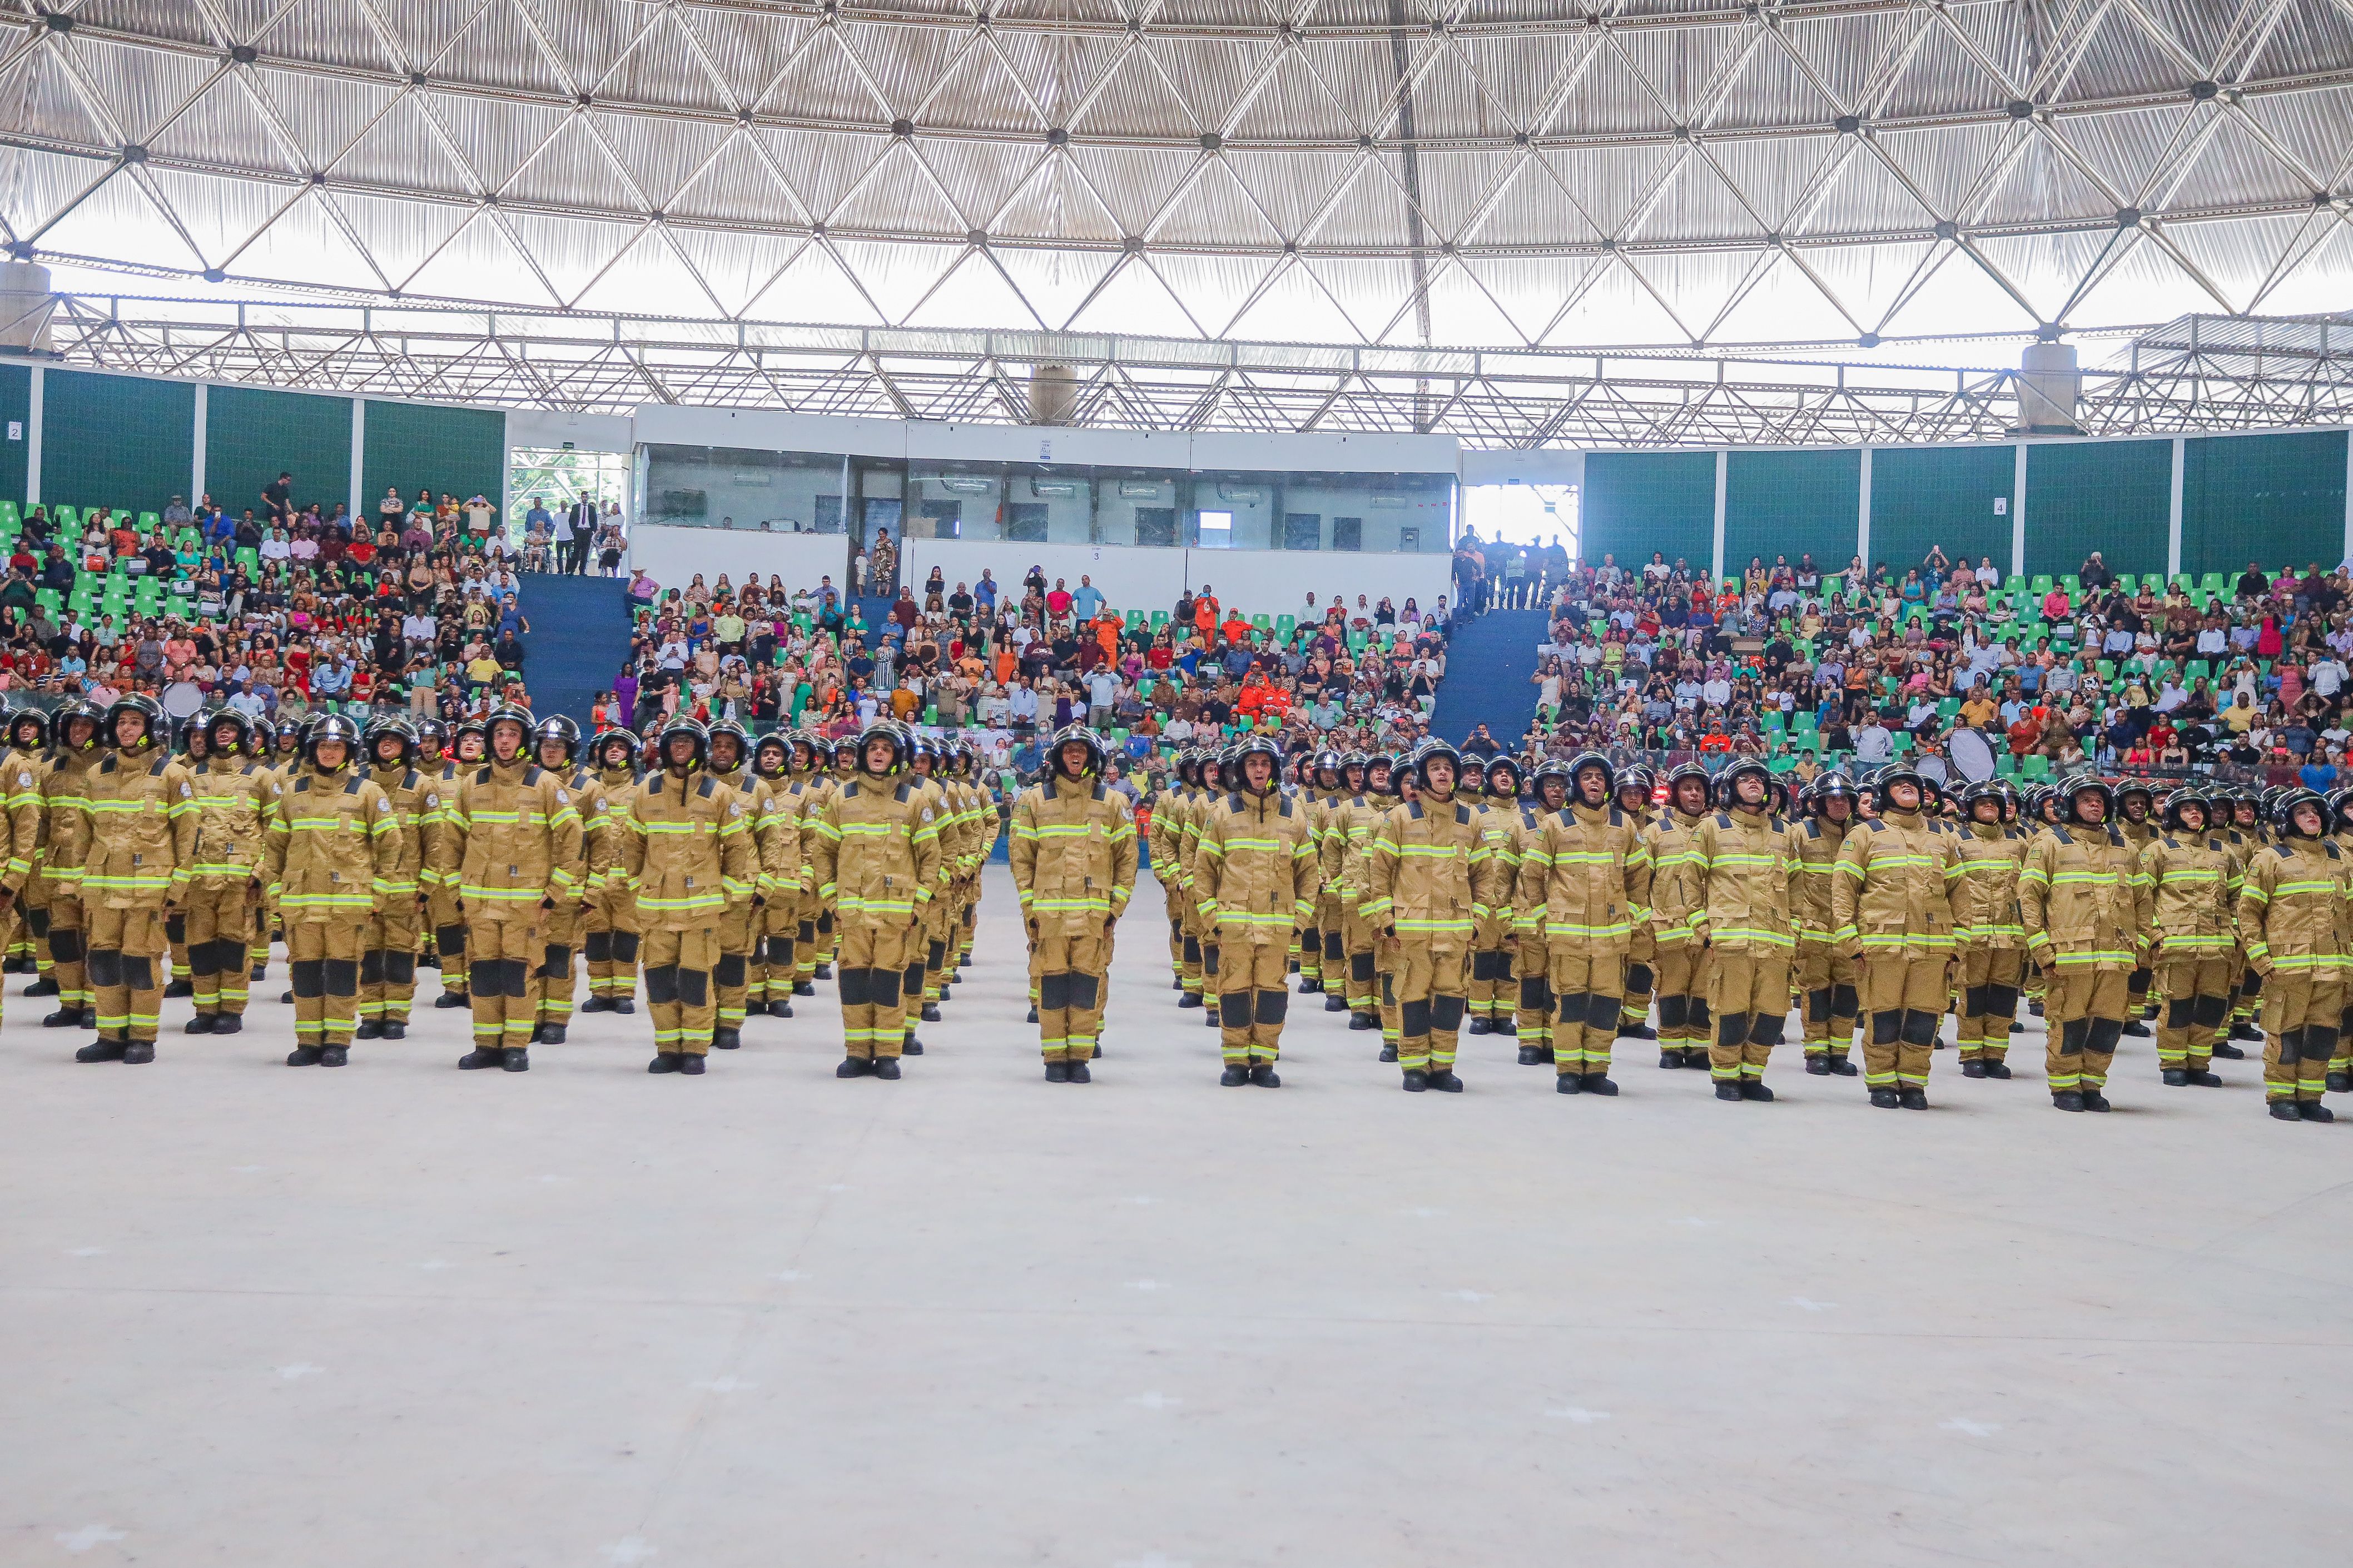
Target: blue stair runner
point(579, 635)
point(1487, 668)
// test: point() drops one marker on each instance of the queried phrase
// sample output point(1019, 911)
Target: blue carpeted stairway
point(579, 635)
point(1487, 668)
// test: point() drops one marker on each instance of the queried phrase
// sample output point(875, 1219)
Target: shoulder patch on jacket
point(1878, 825)
point(353, 786)
point(483, 777)
point(1413, 811)
point(162, 763)
point(710, 787)
point(409, 779)
point(533, 773)
point(302, 787)
point(905, 794)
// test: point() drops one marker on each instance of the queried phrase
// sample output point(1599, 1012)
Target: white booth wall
point(1255, 581)
point(673, 555)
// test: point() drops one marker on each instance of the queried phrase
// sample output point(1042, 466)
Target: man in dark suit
point(582, 518)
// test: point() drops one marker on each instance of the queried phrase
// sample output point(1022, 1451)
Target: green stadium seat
point(2005, 765)
point(2214, 582)
point(2015, 583)
point(2035, 766)
point(2199, 669)
point(152, 522)
point(65, 517)
point(1159, 620)
point(2073, 583)
point(2041, 586)
point(10, 516)
point(1285, 629)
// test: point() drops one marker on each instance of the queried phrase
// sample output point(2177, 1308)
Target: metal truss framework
point(2195, 374)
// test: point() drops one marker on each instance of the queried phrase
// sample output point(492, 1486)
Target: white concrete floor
point(399, 1315)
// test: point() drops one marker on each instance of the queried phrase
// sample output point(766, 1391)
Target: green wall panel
point(462, 451)
point(116, 441)
point(1940, 497)
point(1636, 502)
point(16, 408)
point(2115, 497)
point(250, 432)
point(1791, 503)
point(2279, 500)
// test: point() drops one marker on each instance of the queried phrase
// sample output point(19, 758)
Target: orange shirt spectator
point(1205, 616)
point(2026, 733)
point(1235, 630)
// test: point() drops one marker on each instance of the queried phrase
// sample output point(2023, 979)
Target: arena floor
point(398, 1315)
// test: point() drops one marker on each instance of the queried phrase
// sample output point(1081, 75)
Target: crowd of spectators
point(2244, 673)
point(1014, 661)
point(278, 609)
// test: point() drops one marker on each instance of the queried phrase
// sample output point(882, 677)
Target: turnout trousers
point(219, 926)
point(499, 957)
point(1749, 993)
point(1586, 1000)
point(449, 942)
point(553, 971)
point(608, 940)
point(680, 992)
point(323, 957)
point(2302, 1018)
point(1830, 996)
point(870, 973)
point(2197, 1006)
point(1073, 978)
point(128, 952)
point(2084, 1009)
point(1991, 980)
point(1904, 1001)
point(1253, 999)
point(1683, 1017)
point(1428, 988)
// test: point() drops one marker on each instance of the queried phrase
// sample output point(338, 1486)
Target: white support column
point(1862, 514)
point(204, 425)
point(33, 443)
point(2018, 514)
point(1723, 477)
point(359, 455)
point(2173, 509)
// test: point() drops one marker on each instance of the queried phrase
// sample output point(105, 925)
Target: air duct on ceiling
point(2049, 386)
point(1053, 394)
point(25, 305)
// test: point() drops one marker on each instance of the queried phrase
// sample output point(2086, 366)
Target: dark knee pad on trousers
point(1446, 1012)
point(1335, 947)
point(2106, 1033)
point(139, 973)
point(1209, 958)
point(340, 976)
point(2252, 986)
point(1697, 1018)
point(556, 963)
point(1273, 1005)
point(105, 967)
point(1532, 992)
point(1732, 1029)
point(371, 966)
point(1674, 1012)
point(2319, 1042)
point(2072, 1036)
point(1973, 1001)
point(2137, 983)
point(1054, 992)
point(856, 986)
point(731, 970)
point(310, 976)
point(450, 939)
point(1638, 978)
point(825, 923)
point(66, 945)
point(1818, 1006)
point(598, 945)
point(1192, 949)
point(938, 956)
point(1084, 990)
point(2001, 1001)
point(38, 922)
point(484, 976)
point(400, 968)
point(1846, 1002)
point(808, 930)
point(2291, 1046)
point(2208, 1012)
point(1413, 1019)
point(1887, 1028)
point(1767, 1028)
point(175, 929)
point(661, 984)
point(1920, 1029)
point(1600, 1012)
point(693, 987)
point(1360, 967)
point(1234, 1010)
point(912, 982)
point(1486, 965)
point(2180, 1012)
point(625, 947)
point(883, 987)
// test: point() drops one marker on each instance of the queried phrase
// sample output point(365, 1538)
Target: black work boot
point(931, 1013)
point(726, 1039)
point(394, 1030)
point(2067, 1099)
point(1482, 1026)
point(1569, 1083)
point(1234, 1076)
point(825, 971)
point(137, 1053)
point(179, 988)
point(803, 988)
point(1334, 1003)
point(1532, 1055)
point(1996, 1069)
point(886, 1066)
point(1754, 1088)
point(1726, 1090)
point(452, 999)
point(1886, 1098)
point(1389, 1054)
point(910, 1046)
point(2094, 1100)
point(1444, 1078)
point(596, 1003)
point(1598, 1083)
point(1057, 1072)
point(1033, 1014)
point(202, 1024)
point(517, 1058)
point(2284, 1111)
point(1672, 1061)
point(2175, 1077)
point(47, 985)
point(780, 1008)
point(369, 1029)
point(65, 1018)
point(1912, 1098)
point(1974, 1067)
point(690, 1064)
point(1842, 1067)
point(1263, 1075)
point(2200, 1078)
point(1819, 1066)
point(2225, 1051)
point(2308, 1110)
point(1507, 1026)
point(552, 1033)
point(853, 1067)
point(1080, 1074)
point(101, 1051)
point(334, 1056)
point(2339, 1083)
point(1637, 1030)
point(664, 1061)
point(1415, 1081)
point(1363, 1021)
point(303, 1057)
point(2135, 1029)
point(1190, 999)
point(2241, 1029)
